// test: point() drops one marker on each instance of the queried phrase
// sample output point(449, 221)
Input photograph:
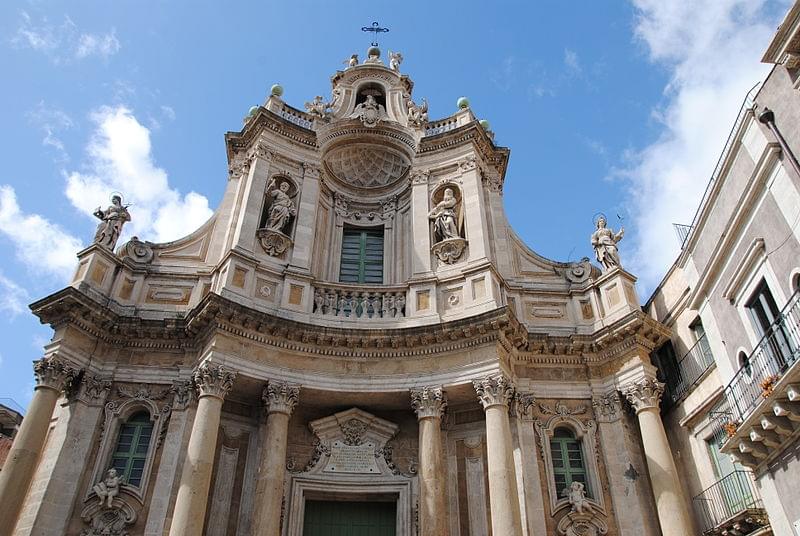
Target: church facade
point(355, 343)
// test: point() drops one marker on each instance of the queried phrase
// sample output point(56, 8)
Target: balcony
point(336, 301)
point(691, 368)
point(731, 506)
point(763, 396)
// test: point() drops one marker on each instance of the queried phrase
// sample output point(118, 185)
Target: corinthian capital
point(280, 397)
point(53, 374)
point(428, 402)
point(643, 394)
point(214, 380)
point(494, 390)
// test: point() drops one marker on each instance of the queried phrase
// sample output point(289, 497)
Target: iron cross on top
point(376, 29)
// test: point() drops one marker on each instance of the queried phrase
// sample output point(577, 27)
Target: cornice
point(267, 120)
point(496, 157)
point(215, 314)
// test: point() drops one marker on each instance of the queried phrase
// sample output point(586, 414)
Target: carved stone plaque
point(352, 458)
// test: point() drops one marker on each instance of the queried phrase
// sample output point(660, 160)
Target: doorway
point(343, 518)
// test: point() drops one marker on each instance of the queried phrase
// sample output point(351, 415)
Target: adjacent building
point(732, 302)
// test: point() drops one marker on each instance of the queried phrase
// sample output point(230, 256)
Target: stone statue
point(316, 107)
point(395, 59)
point(352, 62)
point(444, 217)
point(417, 115)
point(604, 242)
point(111, 221)
point(576, 493)
point(281, 208)
point(335, 95)
point(108, 488)
point(369, 112)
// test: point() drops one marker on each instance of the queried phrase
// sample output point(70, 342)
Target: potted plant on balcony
point(730, 428)
point(768, 385)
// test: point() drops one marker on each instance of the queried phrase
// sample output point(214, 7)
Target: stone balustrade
point(443, 125)
point(293, 115)
point(363, 302)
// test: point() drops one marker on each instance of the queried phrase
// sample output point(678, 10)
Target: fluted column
point(429, 404)
point(644, 396)
point(495, 394)
point(52, 377)
point(280, 398)
point(213, 384)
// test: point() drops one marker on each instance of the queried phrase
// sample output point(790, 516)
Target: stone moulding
point(274, 243)
point(575, 524)
point(450, 250)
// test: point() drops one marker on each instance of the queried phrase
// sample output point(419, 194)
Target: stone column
point(56, 481)
point(52, 377)
point(429, 403)
point(495, 393)
point(213, 383)
point(644, 396)
point(280, 398)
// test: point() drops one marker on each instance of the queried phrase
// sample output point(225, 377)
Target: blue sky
point(620, 107)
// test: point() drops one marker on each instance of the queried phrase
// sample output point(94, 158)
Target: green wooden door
point(338, 518)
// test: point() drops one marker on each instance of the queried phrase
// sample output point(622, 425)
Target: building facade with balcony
point(732, 301)
point(355, 339)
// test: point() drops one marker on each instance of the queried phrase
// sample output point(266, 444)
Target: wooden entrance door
point(339, 518)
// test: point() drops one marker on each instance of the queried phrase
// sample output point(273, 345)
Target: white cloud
point(120, 159)
point(51, 121)
point(13, 298)
point(571, 62)
point(44, 247)
point(64, 42)
point(712, 50)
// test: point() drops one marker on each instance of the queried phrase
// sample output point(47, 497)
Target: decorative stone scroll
point(644, 394)
point(137, 251)
point(428, 402)
point(581, 524)
point(108, 520)
point(607, 408)
point(352, 442)
point(450, 250)
point(213, 380)
point(274, 243)
point(53, 373)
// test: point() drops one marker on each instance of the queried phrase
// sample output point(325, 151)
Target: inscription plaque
point(352, 458)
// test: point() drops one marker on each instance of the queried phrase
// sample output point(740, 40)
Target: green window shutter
point(362, 256)
point(568, 461)
point(133, 443)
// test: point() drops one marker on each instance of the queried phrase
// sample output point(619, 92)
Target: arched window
point(130, 453)
point(568, 462)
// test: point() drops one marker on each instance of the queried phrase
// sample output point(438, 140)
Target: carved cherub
point(576, 494)
point(417, 115)
point(316, 107)
point(108, 488)
point(395, 59)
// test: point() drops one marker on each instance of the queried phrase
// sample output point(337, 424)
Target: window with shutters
point(362, 255)
point(133, 443)
point(568, 462)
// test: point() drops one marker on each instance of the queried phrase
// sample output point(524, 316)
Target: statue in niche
point(604, 242)
point(576, 494)
point(395, 59)
point(316, 107)
point(369, 112)
point(108, 488)
point(444, 217)
point(111, 221)
point(417, 115)
point(281, 208)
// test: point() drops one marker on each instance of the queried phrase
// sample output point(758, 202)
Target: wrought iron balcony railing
point(773, 355)
point(732, 500)
point(691, 368)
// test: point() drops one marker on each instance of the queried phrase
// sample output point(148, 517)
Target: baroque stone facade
point(356, 323)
